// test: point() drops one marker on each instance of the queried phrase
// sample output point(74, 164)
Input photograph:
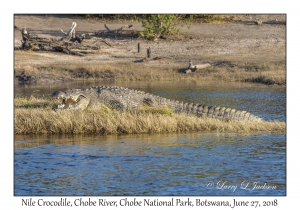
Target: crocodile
point(121, 98)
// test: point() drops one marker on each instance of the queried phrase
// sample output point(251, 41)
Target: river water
point(160, 164)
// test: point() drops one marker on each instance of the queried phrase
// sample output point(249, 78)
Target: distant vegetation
point(158, 25)
point(137, 17)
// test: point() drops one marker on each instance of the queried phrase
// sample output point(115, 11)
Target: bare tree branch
point(106, 27)
point(63, 32)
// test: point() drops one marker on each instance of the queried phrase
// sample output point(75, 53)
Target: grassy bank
point(265, 73)
point(35, 115)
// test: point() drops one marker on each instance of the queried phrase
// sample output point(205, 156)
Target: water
point(161, 164)
point(174, 164)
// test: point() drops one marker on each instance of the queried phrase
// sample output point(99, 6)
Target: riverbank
point(36, 116)
point(265, 73)
point(239, 51)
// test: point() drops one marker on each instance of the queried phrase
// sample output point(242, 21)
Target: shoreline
point(268, 74)
point(35, 115)
point(236, 51)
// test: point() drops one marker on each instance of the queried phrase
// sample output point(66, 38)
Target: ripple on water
point(173, 164)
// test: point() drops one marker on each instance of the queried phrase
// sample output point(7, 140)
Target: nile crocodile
point(124, 98)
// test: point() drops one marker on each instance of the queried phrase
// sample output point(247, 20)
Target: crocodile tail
point(216, 112)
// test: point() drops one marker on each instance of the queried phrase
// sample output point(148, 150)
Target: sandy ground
point(240, 41)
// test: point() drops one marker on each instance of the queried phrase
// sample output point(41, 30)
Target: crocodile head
point(72, 99)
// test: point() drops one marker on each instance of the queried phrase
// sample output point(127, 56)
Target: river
point(160, 164)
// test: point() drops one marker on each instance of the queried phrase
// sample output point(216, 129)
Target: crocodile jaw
point(72, 102)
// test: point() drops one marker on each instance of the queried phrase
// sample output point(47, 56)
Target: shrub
point(160, 25)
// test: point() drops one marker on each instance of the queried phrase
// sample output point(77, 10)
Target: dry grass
point(35, 116)
point(23, 55)
point(34, 103)
point(259, 64)
point(266, 73)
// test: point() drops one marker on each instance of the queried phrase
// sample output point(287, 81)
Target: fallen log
point(71, 43)
point(117, 30)
point(68, 51)
point(120, 32)
point(192, 68)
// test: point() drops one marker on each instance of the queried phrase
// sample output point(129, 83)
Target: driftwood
point(192, 68)
point(120, 32)
point(71, 43)
point(117, 30)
